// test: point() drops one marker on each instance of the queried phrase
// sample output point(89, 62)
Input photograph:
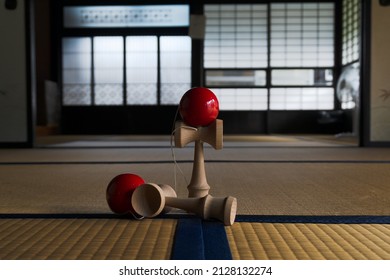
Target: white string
point(176, 165)
point(136, 216)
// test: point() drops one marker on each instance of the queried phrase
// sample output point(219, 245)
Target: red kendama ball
point(199, 107)
point(120, 190)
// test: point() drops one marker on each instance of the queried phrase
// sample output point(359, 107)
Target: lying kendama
point(129, 193)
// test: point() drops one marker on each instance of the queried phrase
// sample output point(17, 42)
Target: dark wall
point(44, 65)
point(118, 119)
point(159, 120)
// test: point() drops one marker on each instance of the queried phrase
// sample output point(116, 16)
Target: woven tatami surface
point(290, 241)
point(267, 178)
point(260, 188)
point(84, 239)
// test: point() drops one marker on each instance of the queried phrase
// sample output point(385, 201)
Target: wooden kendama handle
point(211, 134)
point(208, 207)
point(198, 186)
point(149, 200)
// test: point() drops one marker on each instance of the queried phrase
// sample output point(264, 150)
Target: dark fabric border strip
point(216, 244)
point(196, 239)
point(327, 219)
point(188, 242)
point(358, 219)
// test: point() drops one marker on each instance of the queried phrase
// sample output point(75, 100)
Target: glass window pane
point(126, 16)
point(76, 71)
point(175, 55)
point(301, 98)
point(108, 70)
point(233, 78)
point(141, 70)
point(298, 26)
point(245, 99)
point(350, 31)
point(235, 26)
point(302, 77)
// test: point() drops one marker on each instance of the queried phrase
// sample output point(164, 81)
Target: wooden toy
point(129, 193)
point(149, 200)
point(213, 135)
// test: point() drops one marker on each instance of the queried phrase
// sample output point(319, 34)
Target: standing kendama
point(199, 109)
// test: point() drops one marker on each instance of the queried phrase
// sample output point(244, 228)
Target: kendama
point(199, 108)
point(150, 200)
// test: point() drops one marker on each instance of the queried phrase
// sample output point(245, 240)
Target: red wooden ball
point(119, 191)
point(199, 107)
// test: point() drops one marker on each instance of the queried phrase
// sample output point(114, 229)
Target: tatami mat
point(45, 237)
point(282, 176)
point(260, 188)
point(227, 154)
point(128, 141)
point(299, 241)
point(84, 239)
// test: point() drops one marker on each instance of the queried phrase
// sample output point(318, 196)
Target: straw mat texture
point(239, 153)
point(260, 188)
point(85, 239)
point(279, 177)
point(307, 241)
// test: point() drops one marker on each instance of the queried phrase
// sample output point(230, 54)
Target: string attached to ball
point(175, 163)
